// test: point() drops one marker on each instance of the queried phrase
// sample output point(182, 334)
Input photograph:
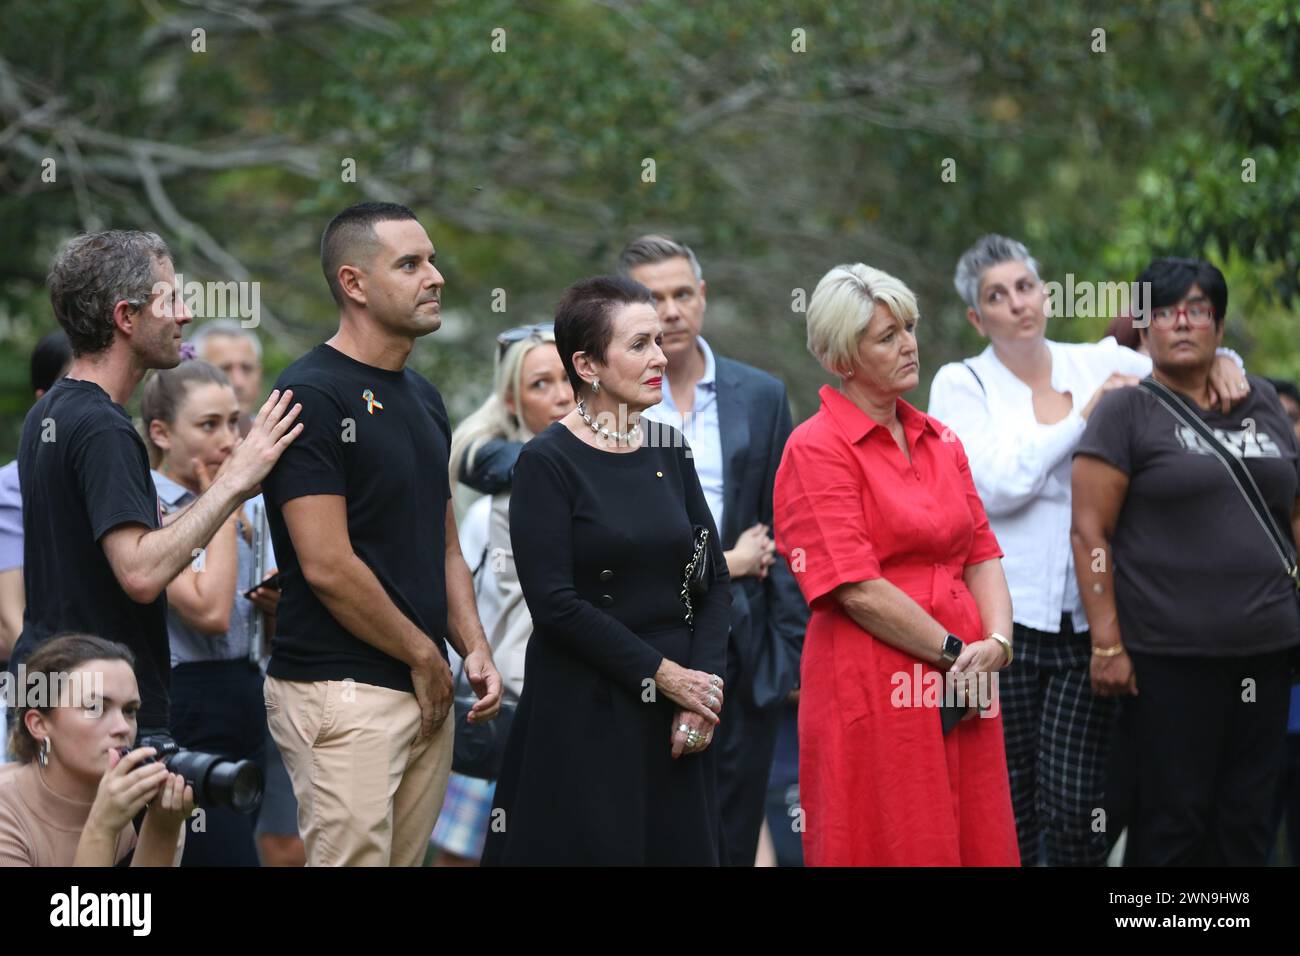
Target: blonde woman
point(876, 512)
point(530, 390)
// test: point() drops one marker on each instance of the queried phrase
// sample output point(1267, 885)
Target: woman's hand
point(695, 691)
point(173, 804)
point(1113, 676)
point(753, 554)
point(680, 737)
point(1116, 380)
point(125, 788)
point(1228, 384)
point(980, 657)
point(266, 600)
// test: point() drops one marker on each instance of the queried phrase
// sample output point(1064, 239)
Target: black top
point(601, 541)
point(84, 471)
point(493, 466)
point(379, 438)
point(1195, 573)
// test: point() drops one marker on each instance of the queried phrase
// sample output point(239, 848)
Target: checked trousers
point(1057, 735)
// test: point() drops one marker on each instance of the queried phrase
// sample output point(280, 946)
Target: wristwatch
point(951, 649)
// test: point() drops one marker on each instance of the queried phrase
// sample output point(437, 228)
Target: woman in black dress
point(608, 760)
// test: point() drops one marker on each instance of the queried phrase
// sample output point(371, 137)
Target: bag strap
point(978, 381)
point(1240, 474)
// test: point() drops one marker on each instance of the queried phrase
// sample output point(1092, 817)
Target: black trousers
point(217, 707)
point(745, 741)
point(1206, 737)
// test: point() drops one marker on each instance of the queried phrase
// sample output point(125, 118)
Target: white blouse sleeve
point(1010, 464)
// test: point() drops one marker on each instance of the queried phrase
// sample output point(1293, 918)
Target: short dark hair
point(60, 655)
point(584, 319)
point(93, 273)
point(51, 356)
point(649, 250)
point(1171, 277)
point(350, 238)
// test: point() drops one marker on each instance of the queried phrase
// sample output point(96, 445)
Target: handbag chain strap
point(696, 558)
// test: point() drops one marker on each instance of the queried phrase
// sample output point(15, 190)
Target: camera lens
point(218, 782)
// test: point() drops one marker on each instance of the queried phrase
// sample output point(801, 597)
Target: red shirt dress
point(880, 785)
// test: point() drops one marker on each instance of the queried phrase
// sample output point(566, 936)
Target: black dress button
point(606, 600)
point(607, 575)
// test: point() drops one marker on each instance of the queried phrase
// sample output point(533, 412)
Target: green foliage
point(526, 165)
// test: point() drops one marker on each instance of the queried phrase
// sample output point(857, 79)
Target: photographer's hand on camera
point(130, 783)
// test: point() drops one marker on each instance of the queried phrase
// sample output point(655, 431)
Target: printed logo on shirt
point(371, 402)
point(1245, 443)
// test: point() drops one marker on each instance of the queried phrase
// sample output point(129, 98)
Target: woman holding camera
point(71, 797)
point(191, 423)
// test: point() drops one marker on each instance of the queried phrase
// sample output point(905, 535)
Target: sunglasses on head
point(520, 332)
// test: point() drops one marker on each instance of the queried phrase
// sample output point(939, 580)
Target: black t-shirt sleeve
point(1109, 433)
point(314, 463)
point(541, 535)
point(114, 481)
point(440, 417)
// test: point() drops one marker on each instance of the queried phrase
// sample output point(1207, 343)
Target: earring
point(595, 385)
point(43, 756)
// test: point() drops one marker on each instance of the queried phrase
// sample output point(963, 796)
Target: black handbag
point(699, 571)
point(1245, 483)
point(479, 749)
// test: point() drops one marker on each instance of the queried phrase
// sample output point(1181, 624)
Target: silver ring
point(715, 680)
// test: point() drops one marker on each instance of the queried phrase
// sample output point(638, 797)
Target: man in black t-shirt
point(358, 689)
point(95, 556)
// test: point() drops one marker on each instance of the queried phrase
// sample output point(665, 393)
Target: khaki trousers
point(368, 791)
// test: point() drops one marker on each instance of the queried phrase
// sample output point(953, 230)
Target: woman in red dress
point(876, 512)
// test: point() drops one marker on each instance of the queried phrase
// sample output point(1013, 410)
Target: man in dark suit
point(736, 420)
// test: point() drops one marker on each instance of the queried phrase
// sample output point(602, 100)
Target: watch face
point(952, 647)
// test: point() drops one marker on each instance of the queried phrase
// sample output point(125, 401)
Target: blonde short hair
point(841, 308)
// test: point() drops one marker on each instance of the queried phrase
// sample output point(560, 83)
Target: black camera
point(217, 782)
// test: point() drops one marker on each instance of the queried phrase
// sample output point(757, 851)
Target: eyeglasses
point(520, 332)
point(1200, 315)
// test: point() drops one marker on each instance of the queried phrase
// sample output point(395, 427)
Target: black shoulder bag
point(699, 571)
point(1245, 483)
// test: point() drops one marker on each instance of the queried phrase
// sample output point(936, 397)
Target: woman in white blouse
point(1019, 408)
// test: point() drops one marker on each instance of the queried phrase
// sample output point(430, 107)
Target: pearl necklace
point(626, 437)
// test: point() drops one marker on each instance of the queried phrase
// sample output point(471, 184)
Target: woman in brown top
point(70, 798)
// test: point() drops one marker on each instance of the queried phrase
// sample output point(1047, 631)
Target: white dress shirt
point(701, 428)
point(1022, 467)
